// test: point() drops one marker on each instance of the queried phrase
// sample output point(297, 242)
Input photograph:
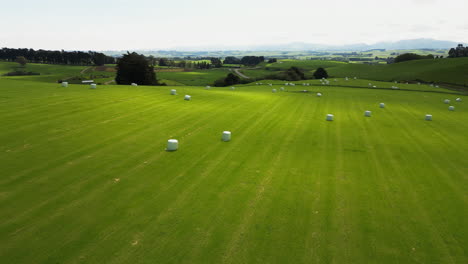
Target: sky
point(178, 24)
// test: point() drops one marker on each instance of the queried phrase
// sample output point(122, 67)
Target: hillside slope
point(454, 71)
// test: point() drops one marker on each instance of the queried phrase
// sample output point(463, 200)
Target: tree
point(99, 59)
point(163, 62)
point(320, 73)
point(411, 56)
point(294, 74)
point(216, 62)
point(134, 68)
point(459, 51)
point(231, 60)
point(21, 60)
point(230, 79)
point(252, 60)
point(272, 60)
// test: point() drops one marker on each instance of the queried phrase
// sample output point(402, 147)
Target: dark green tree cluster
point(135, 68)
point(232, 60)
point(57, 57)
point(459, 51)
point(216, 63)
point(294, 74)
point(21, 60)
point(291, 74)
point(272, 60)
point(163, 62)
point(320, 73)
point(202, 65)
point(252, 60)
point(231, 79)
point(412, 56)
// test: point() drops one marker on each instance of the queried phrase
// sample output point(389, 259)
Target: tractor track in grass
point(289, 188)
point(420, 211)
point(252, 207)
point(104, 143)
point(182, 197)
point(77, 185)
point(76, 112)
point(91, 124)
point(441, 171)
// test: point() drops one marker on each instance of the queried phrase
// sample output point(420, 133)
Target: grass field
point(440, 70)
point(303, 64)
point(445, 71)
point(196, 77)
point(86, 178)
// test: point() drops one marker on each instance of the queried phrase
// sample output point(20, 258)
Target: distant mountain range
point(422, 43)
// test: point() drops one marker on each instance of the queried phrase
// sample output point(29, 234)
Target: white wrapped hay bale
point(282, 89)
point(458, 99)
point(134, 84)
point(92, 86)
point(226, 136)
point(187, 97)
point(273, 90)
point(173, 92)
point(367, 113)
point(329, 117)
point(64, 84)
point(233, 88)
point(319, 94)
point(428, 117)
point(172, 145)
point(451, 108)
point(447, 101)
point(382, 105)
point(209, 87)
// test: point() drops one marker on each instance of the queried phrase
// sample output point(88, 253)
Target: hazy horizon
point(156, 25)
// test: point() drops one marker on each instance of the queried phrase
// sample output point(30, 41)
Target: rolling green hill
point(48, 72)
point(454, 71)
point(86, 178)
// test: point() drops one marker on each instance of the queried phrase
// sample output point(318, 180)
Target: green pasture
point(453, 71)
point(195, 77)
point(48, 72)
point(307, 65)
point(85, 177)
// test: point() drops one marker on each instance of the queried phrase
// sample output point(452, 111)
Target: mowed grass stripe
point(83, 158)
point(401, 169)
point(290, 187)
point(91, 105)
point(93, 125)
point(202, 121)
point(155, 192)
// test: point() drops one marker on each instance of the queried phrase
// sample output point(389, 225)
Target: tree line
point(459, 51)
point(207, 62)
point(246, 60)
point(57, 57)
